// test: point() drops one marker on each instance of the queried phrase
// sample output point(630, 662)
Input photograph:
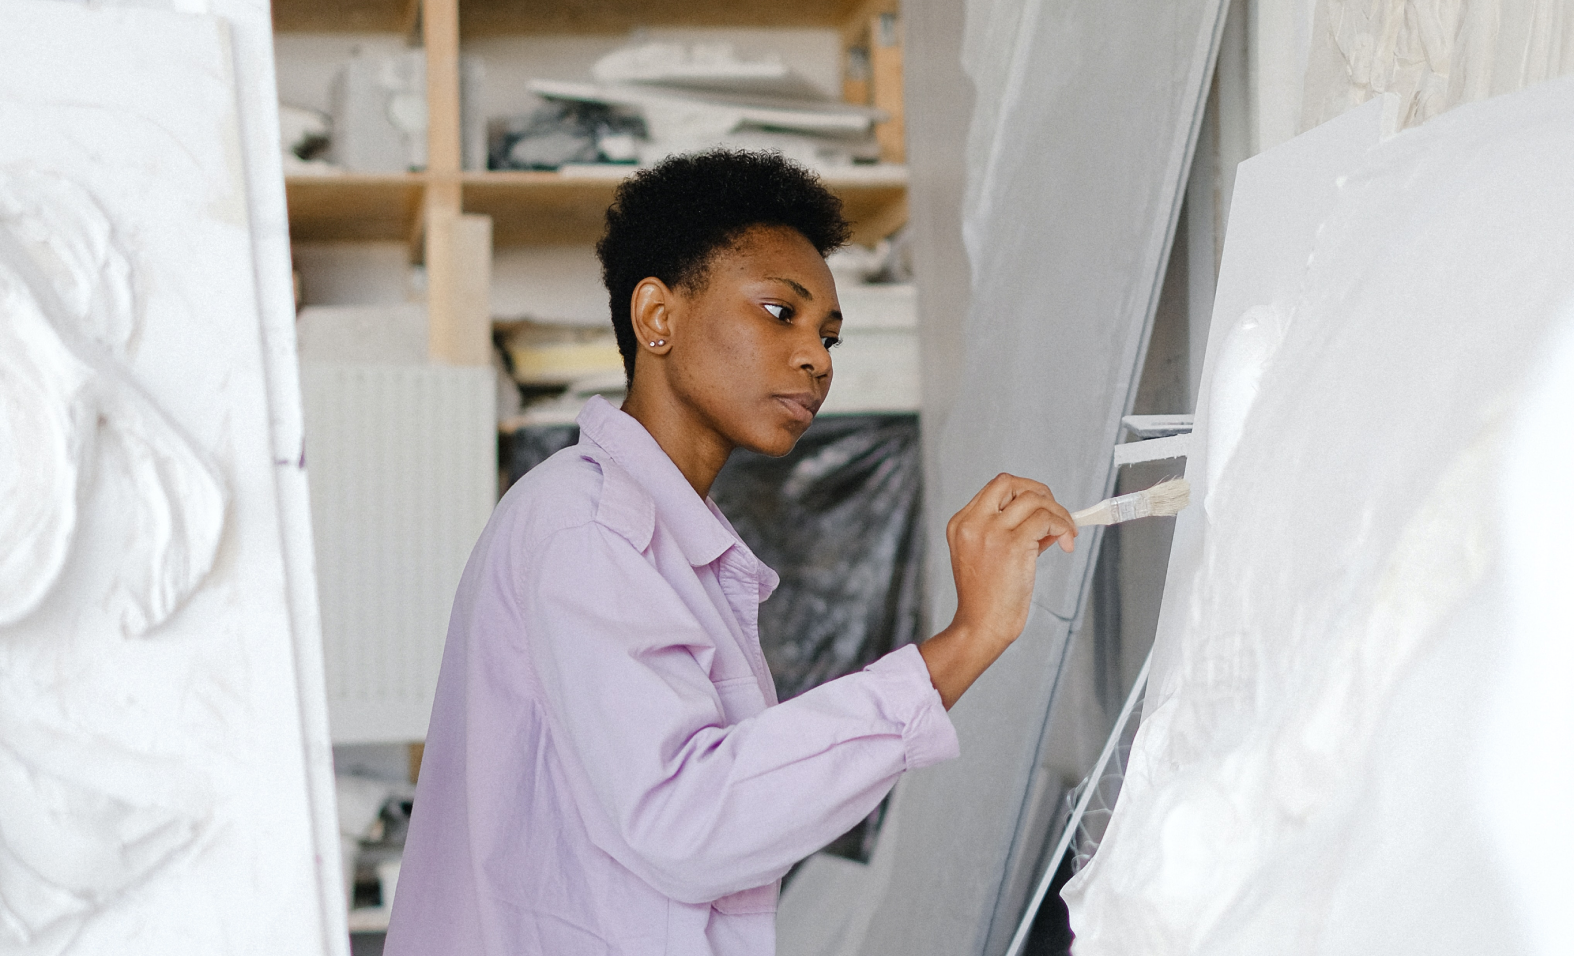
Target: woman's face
point(749, 350)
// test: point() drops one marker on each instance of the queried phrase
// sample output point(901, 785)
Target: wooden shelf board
point(353, 206)
point(547, 208)
point(503, 17)
point(340, 16)
point(540, 208)
point(533, 208)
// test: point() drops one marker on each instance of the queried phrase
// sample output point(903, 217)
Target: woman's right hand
point(995, 542)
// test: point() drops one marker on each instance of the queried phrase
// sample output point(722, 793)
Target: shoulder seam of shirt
point(624, 506)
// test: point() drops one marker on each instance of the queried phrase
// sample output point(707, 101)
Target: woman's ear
point(652, 309)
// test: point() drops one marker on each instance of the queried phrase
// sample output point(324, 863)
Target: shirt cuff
point(910, 696)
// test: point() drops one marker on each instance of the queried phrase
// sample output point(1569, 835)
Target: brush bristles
point(1163, 499)
point(1169, 497)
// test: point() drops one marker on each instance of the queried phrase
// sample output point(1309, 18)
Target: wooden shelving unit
point(533, 208)
point(354, 207)
point(504, 17)
point(345, 16)
point(452, 219)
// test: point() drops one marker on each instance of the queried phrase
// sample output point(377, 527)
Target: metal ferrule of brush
point(1165, 498)
point(1130, 507)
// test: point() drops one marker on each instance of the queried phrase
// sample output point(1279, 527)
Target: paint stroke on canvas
point(152, 777)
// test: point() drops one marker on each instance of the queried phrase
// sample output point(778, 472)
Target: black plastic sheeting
point(840, 518)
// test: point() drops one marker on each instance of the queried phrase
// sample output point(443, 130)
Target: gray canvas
point(1082, 127)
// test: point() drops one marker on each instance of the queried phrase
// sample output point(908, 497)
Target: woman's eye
point(830, 341)
point(779, 311)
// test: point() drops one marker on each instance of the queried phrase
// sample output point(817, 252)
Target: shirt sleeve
point(695, 808)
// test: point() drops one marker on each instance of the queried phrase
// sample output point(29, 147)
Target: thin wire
point(1089, 787)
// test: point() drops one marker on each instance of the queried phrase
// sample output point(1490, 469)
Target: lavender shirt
point(608, 770)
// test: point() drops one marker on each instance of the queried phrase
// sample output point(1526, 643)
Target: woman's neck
point(698, 449)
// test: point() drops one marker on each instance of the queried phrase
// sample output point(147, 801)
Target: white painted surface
point(251, 34)
point(1153, 449)
point(1526, 763)
point(356, 273)
point(1351, 625)
point(367, 334)
point(403, 477)
point(161, 799)
point(557, 284)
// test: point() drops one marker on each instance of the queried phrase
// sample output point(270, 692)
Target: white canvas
point(154, 744)
point(1352, 739)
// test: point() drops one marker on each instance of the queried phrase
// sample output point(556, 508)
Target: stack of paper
point(697, 97)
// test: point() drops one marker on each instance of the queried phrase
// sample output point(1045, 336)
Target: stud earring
point(658, 342)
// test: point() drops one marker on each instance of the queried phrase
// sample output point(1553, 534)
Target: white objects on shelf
point(379, 113)
point(543, 354)
point(304, 135)
point(565, 408)
point(876, 365)
point(717, 111)
point(854, 265)
point(388, 881)
point(703, 66)
point(683, 120)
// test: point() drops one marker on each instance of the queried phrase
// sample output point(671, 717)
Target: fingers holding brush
point(1033, 507)
point(995, 543)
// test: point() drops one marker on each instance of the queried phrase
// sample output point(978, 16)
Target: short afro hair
point(670, 220)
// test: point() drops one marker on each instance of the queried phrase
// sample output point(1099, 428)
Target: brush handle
point(1115, 510)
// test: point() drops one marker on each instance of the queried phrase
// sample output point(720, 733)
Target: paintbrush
point(1164, 498)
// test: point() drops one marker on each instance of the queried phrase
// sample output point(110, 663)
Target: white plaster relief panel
point(153, 796)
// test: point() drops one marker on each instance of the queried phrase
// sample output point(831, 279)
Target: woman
point(607, 769)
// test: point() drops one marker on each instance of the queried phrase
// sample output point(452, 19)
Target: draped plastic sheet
point(1356, 731)
point(1432, 54)
point(1083, 126)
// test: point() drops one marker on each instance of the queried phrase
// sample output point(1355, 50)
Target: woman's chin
point(775, 442)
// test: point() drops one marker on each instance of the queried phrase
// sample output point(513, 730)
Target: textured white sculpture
point(1351, 741)
point(81, 427)
point(153, 768)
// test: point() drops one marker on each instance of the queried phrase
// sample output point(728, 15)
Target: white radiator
point(402, 463)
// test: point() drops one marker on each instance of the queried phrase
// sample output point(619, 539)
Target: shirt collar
point(692, 520)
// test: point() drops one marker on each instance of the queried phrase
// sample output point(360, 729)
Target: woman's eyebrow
point(795, 287)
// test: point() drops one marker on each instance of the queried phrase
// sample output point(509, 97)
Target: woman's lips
point(801, 405)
